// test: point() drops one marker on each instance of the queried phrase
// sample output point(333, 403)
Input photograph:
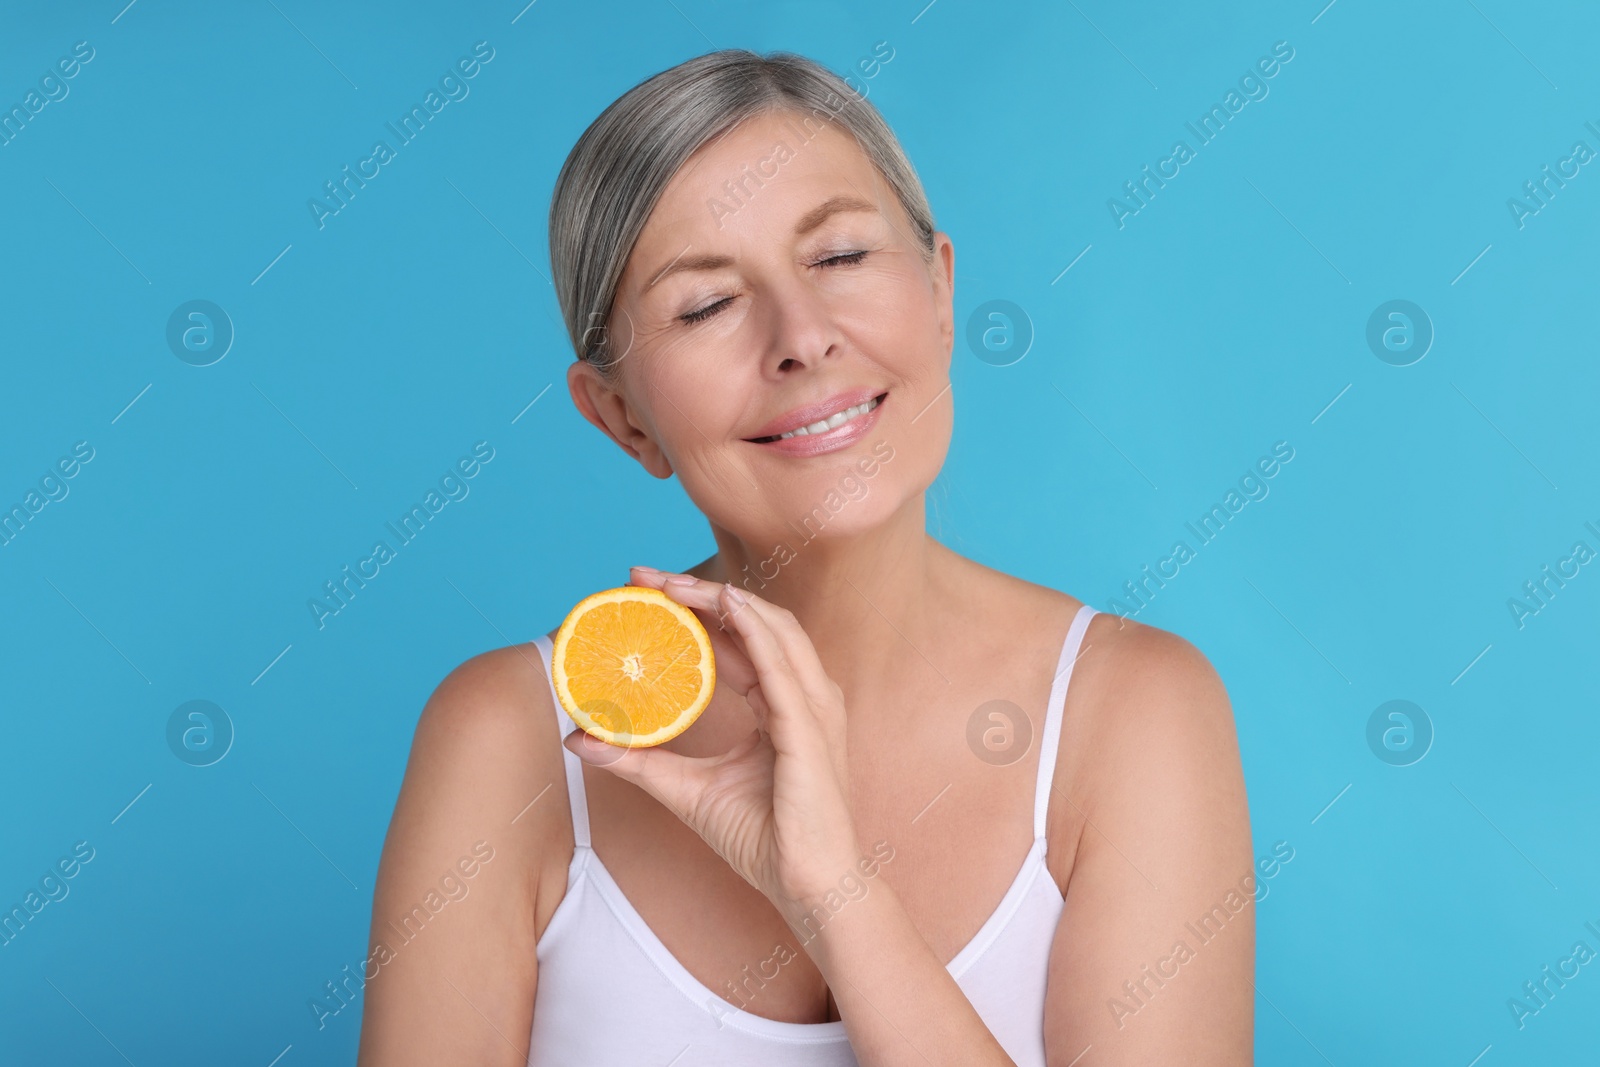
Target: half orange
point(632, 666)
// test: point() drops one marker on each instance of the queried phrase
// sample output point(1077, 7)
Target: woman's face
point(777, 280)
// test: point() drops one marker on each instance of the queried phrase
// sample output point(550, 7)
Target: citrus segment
point(632, 666)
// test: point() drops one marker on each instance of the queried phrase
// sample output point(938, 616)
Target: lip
point(805, 416)
point(842, 436)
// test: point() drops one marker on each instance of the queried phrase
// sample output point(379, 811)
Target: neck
point(865, 599)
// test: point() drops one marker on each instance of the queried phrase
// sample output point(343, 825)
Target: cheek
point(897, 327)
point(691, 401)
point(921, 447)
point(899, 311)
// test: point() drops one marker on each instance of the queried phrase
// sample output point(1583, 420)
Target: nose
point(803, 333)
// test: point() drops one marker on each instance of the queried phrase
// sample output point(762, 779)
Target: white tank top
point(609, 992)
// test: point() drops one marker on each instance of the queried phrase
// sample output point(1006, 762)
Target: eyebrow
point(809, 221)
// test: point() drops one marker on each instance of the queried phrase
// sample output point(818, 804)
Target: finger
point(795, 645)
point(672, 778)
point(780, 685)
point(697, 593)
point(758, 707)
point(734, 669)
point(704, 596)
point(773, 636)
point(700, 596)
point(646, 576)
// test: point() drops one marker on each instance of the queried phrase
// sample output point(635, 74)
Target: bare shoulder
point(487, 735)
point(1145, 697)
point(1138, 650)
point(1141, 699)
point(502, 694)
point(478, 823)
point(1154, 732)
point(1156, 778)
point(1139, 695)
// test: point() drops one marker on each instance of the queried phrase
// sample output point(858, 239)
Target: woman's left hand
point(775, 806)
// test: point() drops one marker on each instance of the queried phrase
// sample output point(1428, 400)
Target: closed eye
point(705, 312)
point(846, 259)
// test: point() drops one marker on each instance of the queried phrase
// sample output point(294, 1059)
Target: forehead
point(759, 177)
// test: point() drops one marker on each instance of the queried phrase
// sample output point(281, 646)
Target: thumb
point(669, 777)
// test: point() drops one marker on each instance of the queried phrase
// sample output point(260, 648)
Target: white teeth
point(836, 419)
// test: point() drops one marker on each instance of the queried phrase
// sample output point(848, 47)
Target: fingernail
point(647, 570)
point(736, 596)
point(681, 579)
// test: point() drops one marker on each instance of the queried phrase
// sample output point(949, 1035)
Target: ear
point(613, 414)
point(943, 269)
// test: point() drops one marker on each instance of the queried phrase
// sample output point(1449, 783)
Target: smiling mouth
point(832, 422)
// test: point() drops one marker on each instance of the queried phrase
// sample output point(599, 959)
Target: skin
point(845, 686)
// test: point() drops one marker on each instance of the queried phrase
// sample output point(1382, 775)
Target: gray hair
point(620, 166)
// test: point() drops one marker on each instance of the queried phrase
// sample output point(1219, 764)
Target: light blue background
point(1223, 317)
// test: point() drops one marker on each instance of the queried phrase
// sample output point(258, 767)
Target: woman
point(896, 835)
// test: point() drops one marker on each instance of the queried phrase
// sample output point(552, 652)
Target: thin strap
point(1052, 719)
point(576, 798)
